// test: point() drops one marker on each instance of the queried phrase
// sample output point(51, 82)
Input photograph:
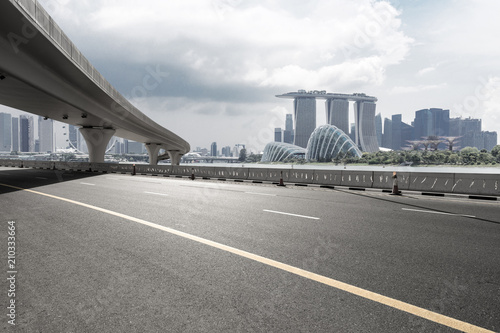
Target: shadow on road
point(16, 179)
point(406, 203)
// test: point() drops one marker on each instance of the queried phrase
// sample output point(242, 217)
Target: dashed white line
point(434, 212)
point(266, 194)
point(381, 299)
point(163, 194)
point(89, 184)
point(283, 213)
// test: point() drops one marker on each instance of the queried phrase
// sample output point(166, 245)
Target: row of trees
point(466, 156)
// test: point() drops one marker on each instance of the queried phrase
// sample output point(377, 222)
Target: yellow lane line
point(391, 302)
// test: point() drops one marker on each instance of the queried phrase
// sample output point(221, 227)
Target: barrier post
point(395, 188)
point(192, 173)
point(281, 179)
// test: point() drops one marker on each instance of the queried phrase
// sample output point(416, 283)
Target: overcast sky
point(220, 63)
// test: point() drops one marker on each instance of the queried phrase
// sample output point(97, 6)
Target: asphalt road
point(122, 253)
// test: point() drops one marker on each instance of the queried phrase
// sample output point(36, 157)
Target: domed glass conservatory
point(327, 142)
point(279, 152)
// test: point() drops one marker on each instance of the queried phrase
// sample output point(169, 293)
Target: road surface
point(121, 253)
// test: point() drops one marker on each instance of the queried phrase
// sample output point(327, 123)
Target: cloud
point(485, 103)
point(425, 71)
point(417, 89)
point(260, 44)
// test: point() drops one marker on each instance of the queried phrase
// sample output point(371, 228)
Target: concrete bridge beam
point(97, 140)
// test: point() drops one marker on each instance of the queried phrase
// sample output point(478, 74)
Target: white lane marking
point(256, 193)
point(163, 194)
point(89, 184)
point(375, 297)
point(434, 212)
point(283, 213)
point(41, 178)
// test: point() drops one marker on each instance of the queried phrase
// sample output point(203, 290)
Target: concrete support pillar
point(175, 156)
point(153, 150)
point(97, 139)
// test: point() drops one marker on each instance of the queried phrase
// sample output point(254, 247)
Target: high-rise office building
point(423, 124)
point(15, 134)
point(305, 119)
point(387, 136)
point(469, 130)
point(407, 134)
point(288, 132)
point(213, 149)
point(73, 137)
point(490, 140)
point(46, 135)
point(432, 122)
point(397, 125)
point(378, 128)
point(226, 151)
point(289, 122)
point(337, 113)
point(5, 132)
point(26, 134)
point(441, 121)
point(366, 136)
point(132, 147)
point(278, 135)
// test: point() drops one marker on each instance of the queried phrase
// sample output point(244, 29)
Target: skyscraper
point(5, 132)
point(15, 134)
point(288, 132)
point(46, 135)
point(396, 132)
point(73, 137)
point(387, 136)
point(337, 113)
point(305, 119)
point(278, 135)
point(27, 134)
point(378, 128)
point(490, 140)
point(366, 137)
point(213, 149)
point(441, 122)
point(432, 122)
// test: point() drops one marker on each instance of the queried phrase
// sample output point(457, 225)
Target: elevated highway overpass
point(42, 72)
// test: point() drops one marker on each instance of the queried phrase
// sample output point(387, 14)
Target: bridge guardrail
point(432, 182)
point(328, 177)
point(477, 184)
point(11, 163)
point(384, 180)
point(462, 183)
point(357, 178)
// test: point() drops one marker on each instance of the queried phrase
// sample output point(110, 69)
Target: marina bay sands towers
point(337, 114)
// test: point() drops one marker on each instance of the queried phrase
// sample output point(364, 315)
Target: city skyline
point(208, 93)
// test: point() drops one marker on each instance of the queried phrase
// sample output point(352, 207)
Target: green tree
point(495, 152)
point(243, 155)
point(469, 155)
point(453, 159)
